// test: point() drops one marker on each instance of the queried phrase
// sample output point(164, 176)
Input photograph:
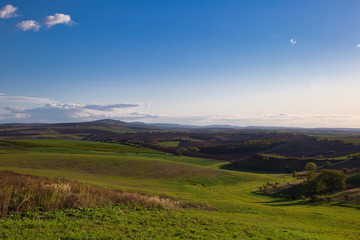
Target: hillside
point(78, 130)
point(218, 203)
point(288, 149)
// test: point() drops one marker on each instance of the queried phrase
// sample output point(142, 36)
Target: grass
point(168, 144)
point(321, 158)
point(346, 138)
point(241, 212)
point(134, 166)
point(60, 136)
point(22, 193)
point(138, 223)
point(273, 155)
point(184, 159)
point(80, 145)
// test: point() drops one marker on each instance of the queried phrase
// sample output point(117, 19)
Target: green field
point(42, 144)
point(241, 212)
point(347, 138)
point(168, 144)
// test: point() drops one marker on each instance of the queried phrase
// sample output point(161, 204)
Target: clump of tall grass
point(22, 193)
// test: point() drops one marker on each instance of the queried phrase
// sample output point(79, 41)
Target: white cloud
point(58, 18)
point(358, 46)
point(293, 41)
point(29, 25)
point(70, 112)
point(8, 11)
point(22, 99)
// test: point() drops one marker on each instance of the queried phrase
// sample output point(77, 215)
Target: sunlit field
point(227, 203)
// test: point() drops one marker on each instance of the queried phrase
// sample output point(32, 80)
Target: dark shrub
point(327, 181)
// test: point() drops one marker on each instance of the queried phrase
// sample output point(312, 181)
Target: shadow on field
point(281, 201)
point(287, 202)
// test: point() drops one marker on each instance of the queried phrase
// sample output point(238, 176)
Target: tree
point(310, 167)
point(178, 152)
point(330, 181)
point(326, 181)
point(327, 164)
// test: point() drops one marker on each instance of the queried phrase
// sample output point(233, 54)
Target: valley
point(218, 200)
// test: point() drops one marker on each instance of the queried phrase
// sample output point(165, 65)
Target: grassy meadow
point(238, 210)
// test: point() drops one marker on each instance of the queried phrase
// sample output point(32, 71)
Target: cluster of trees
point(319, 185)
point(326, 181)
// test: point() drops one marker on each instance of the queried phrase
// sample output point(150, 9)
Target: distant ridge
point(168, 126)
point(111, 122)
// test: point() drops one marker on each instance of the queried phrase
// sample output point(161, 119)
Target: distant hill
point(158, 126)
point(71, 130)
point(287, 148)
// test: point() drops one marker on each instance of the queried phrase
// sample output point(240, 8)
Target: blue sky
point(259, 62)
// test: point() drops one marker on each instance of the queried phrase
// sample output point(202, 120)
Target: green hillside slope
point(241, 212)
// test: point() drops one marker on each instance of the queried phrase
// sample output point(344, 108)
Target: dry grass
point(274, 188)
point(348, 196)
point(23, 193)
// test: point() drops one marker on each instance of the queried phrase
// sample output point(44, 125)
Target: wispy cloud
point(358, 46)
point(293, 41)
point(58, 18)
point(111, 107)
point(9, 11)
point(29, 25)
point(60, 112)
point(21, 99)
